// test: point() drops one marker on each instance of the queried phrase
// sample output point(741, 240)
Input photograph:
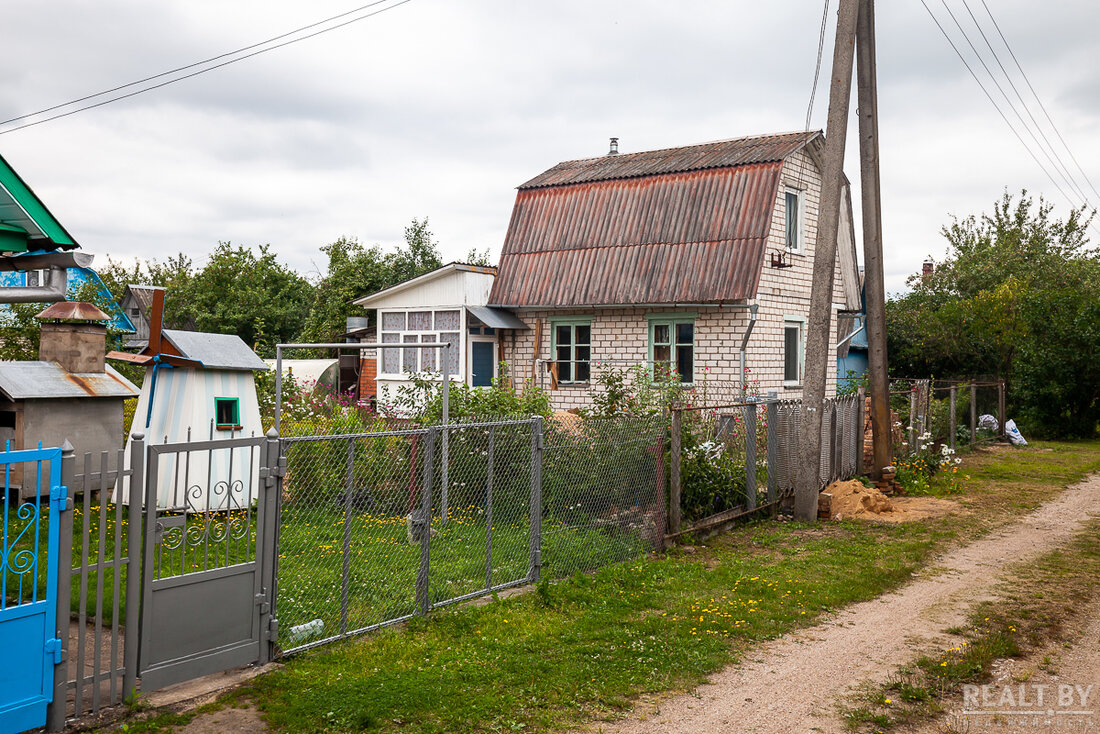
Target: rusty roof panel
point(687, 237)
point(721, 154)
point(30, 380)
point(73, 311)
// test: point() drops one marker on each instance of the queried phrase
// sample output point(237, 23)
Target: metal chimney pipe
point(614, 147)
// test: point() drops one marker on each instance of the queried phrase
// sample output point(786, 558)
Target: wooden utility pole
point(807, 481)
point(873, 284)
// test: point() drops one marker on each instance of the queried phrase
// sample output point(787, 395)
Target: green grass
point(586, 647)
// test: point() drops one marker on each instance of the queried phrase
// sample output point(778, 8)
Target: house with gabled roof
point(696, 260)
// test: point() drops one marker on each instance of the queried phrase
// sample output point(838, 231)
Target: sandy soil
point(794, 684)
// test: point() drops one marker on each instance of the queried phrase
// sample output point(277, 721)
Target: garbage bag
point(988, 422)
point(1013, 433)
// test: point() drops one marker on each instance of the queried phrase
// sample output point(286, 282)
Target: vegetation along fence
point(951, 413)
point(377, 527)
point(732, 459)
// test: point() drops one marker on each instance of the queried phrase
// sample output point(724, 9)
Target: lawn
point(587, 646)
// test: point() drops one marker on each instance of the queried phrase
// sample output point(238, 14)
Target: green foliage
point(852, 382)
point(355, 271)
point(633, 391)
point(422, 400)
point(247, 293)
point(1018, 298)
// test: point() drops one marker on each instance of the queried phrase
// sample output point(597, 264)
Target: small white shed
point(198, 387)
point(448, 304)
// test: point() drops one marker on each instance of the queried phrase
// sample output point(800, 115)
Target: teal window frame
point(236, 423)
point(573, 361)
point(671, 320)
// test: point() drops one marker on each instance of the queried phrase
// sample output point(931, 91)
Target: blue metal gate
point(32, 500)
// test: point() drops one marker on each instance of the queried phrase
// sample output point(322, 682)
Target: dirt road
point(794, 684)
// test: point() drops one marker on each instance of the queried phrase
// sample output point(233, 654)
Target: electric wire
point(1011, 106)
point(1039, 100)
point(1064, 169)
point(204, 70)
point(817, 68)
point(994, 103)
point(189, 66)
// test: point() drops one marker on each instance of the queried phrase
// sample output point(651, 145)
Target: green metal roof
point(22, 211)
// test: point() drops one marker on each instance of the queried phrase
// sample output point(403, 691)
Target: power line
point(1012, 106)
point(1039, 100)
point(817, 68)
point(994, 102)
point(200, 63)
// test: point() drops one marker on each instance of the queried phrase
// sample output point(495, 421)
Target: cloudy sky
point(439, 108)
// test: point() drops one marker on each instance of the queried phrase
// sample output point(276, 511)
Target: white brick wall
point(620, 335)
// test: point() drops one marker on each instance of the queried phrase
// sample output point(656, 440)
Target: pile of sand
point(851, 499)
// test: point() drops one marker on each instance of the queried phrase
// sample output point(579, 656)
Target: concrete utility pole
point(807, 481)
point(874, 287)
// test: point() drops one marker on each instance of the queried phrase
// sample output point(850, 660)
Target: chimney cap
point(72, 311)
point(614, 147)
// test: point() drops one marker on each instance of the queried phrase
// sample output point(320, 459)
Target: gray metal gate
point(207, 566)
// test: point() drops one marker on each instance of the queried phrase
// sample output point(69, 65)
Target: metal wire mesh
point(347, 556)
point(841, 440)
point(603, 492)
point(724, 459)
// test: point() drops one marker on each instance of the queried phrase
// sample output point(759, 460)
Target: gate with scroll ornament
point(207, 571)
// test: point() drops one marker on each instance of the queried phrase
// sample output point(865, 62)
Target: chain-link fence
point(377, 527)
point(603, 492)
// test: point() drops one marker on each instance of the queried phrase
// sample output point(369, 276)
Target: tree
point(1013, 300)
point(174, 275)
point(355, 271)
point(245, 293)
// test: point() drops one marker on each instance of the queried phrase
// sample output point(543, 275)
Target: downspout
point(744, 346)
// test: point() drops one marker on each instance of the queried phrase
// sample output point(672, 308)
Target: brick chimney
point(75, 336)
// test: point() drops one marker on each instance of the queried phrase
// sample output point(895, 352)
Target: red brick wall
point(368, 371)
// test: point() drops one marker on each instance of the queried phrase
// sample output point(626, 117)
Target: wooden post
point(973, 414)
point(874, 285)
point(913, 419)
point(1001, 409)
point(818, 355)
point(951, 430)
point(674, 479)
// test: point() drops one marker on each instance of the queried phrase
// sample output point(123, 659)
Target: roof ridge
point(790, 133)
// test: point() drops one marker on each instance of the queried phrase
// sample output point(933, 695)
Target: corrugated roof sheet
point(688, 237)
point(30, 380)
point(215, 351)
point(720, 154)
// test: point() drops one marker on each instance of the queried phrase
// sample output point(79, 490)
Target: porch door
point(482, 362)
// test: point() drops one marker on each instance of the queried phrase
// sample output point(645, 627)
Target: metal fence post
point(134, 566)
point(973, 414)
point(345, 568)
point(424, 523)
point(489, 508)
point(836, 467)
point(55, 711)
point(537, 448)
point(272, 500)
point(445, 468)
point(750, 456)
point(773, 450)
point(674, 463)
point(951, 428)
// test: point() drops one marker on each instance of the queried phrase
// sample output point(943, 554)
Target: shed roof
point(680, 225)
point(422, 279)
point(31, 380)
point(215, 351)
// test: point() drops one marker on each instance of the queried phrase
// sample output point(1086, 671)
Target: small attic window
point(227, 413)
